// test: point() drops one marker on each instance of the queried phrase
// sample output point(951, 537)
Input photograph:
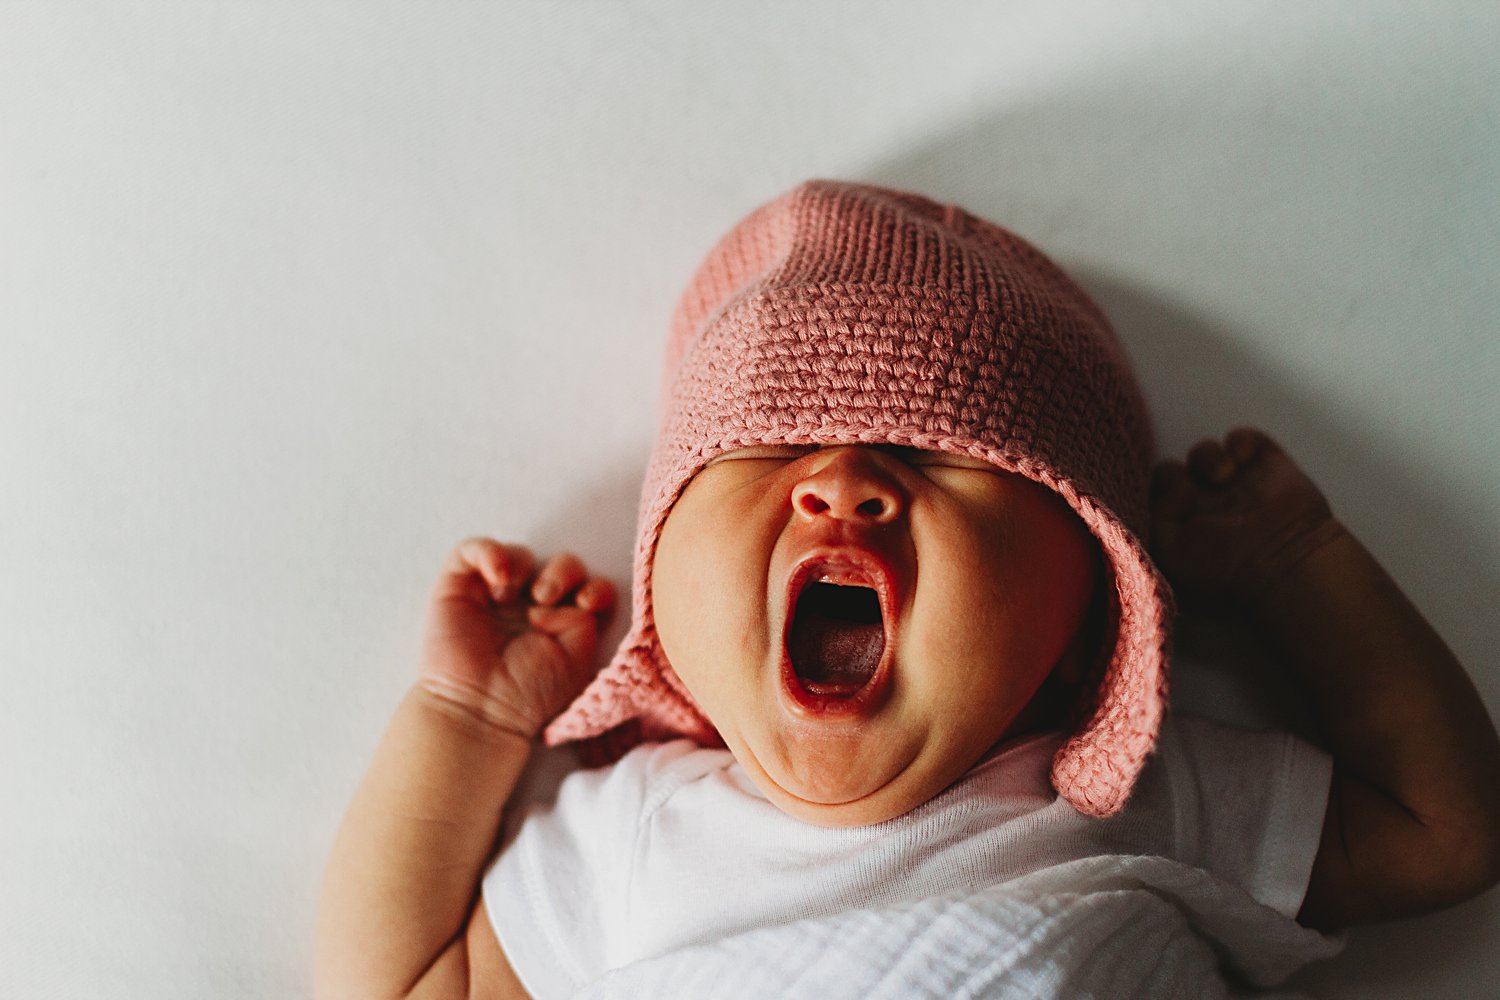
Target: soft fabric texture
point(669, 873)
point(843, 313)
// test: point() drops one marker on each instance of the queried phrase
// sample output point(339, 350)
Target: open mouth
point(836, 639)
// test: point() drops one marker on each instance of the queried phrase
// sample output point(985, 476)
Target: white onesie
point(670, 874)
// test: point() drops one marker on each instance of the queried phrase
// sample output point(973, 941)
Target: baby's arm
point(1413, 819)
point(506, 649)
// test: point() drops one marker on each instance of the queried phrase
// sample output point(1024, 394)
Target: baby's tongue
point(836, 638)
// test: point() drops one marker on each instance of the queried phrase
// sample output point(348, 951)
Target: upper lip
point(843, 566)
point(856, 557)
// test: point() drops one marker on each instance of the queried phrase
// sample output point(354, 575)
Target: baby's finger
point(505, 569)
point(509, 569)
point(576, 631)
point(562, 575)
point(597, 596)
point(1209, 463)
point(1245, 443)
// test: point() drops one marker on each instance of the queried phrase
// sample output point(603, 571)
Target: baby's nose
point(850, 486)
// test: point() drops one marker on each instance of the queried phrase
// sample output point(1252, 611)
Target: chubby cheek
point(972, 664)
point(708, 602)
point(995, 615)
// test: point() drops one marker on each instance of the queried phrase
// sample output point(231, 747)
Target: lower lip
point(829, 706)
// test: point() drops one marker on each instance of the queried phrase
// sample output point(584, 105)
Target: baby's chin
point(844, 782)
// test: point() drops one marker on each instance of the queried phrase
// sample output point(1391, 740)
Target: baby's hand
point(510, 644)
point(1235, 518)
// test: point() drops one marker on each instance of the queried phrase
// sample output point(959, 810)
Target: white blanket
point(1108, 927)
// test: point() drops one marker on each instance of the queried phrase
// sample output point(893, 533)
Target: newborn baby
point(889, 719)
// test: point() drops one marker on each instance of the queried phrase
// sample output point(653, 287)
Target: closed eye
point(766, 453)
point(915, 457)
point(927, 458)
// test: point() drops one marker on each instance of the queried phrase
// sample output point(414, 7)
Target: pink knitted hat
point(843, 313)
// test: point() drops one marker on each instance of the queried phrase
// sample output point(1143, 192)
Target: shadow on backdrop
point(1202, 377)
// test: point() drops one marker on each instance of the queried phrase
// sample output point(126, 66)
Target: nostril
point(873, 507)
point(811, 503)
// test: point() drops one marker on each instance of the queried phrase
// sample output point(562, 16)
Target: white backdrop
point(294, 295)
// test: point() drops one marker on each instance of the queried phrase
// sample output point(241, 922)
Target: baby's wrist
point(480, 713)
point(1278, 574)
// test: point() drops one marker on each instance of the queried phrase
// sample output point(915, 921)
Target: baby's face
point(862, 623)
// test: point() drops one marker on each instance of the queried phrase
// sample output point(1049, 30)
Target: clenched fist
point(508, 643)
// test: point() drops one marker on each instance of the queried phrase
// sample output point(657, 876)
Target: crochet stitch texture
point(845, 313)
